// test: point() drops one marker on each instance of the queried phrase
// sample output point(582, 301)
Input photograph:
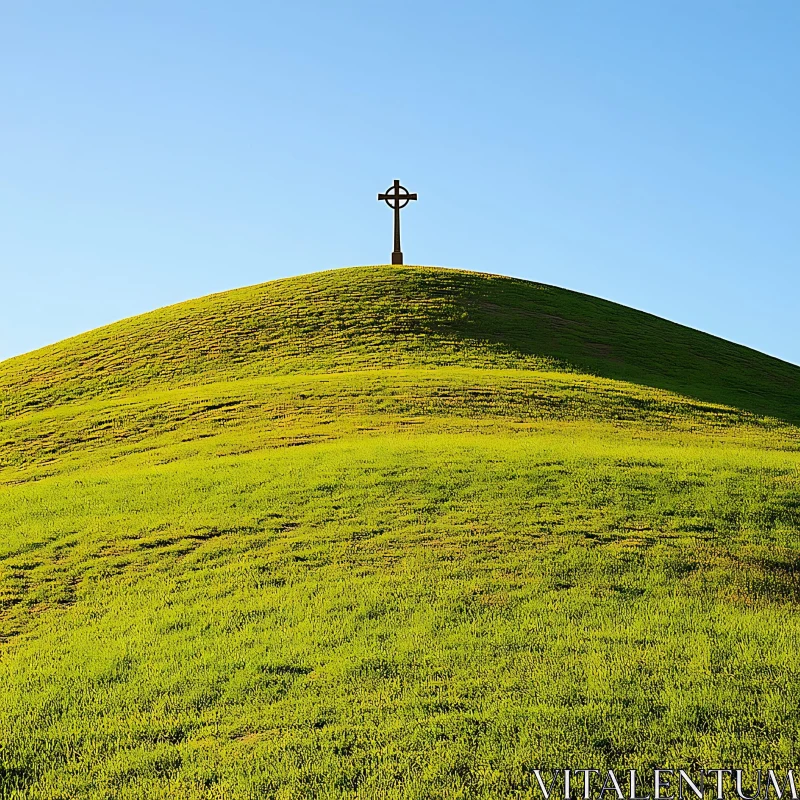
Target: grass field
point(393, 532)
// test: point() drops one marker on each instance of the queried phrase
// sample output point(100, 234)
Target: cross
point(397, 197)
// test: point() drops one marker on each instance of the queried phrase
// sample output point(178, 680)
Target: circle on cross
point(397, 196)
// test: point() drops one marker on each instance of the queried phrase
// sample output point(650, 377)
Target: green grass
point(393, 532)
point(412, 316)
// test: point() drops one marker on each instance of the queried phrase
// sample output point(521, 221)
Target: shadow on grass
point(613, 341)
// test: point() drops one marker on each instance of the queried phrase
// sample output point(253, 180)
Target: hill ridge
point(351, 318)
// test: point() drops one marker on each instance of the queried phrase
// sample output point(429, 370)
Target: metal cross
point(397, 197)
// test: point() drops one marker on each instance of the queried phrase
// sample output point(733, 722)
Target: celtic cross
point(397, 197)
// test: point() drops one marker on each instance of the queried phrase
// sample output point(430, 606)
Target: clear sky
point(158, 150)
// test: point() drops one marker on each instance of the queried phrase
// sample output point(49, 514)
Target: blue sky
point(644, 152)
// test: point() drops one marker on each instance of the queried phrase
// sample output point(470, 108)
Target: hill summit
point(365, 318)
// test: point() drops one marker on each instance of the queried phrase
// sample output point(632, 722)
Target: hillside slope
point(393, 532)
point(368, 317)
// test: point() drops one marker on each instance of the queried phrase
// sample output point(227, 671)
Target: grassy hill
point(373, 317)
point(393, 532)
